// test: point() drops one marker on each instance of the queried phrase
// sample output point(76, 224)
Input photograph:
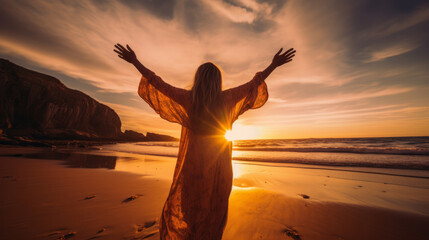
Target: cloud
point(77, 39)
point(339, 59)
point(398, 23)
point(388, 52)
point(347, 116)
point(356, 96)
point(233, 13)
point(241, 11)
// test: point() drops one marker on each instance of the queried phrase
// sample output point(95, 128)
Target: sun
point(241, 132)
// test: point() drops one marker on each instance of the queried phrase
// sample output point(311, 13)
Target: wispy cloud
point(339, 58)
point(233, 13)
point(391, 51)
point(345, 97)
point(399, 23)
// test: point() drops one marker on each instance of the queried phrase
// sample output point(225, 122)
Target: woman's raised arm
point(130, 56)
point(174, 93)
point(279, 59)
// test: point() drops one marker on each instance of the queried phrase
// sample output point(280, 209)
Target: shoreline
point(46, 199)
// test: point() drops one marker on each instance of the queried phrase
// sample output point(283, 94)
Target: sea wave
point(278, 148)
point(393, 165)
point(159, 144)
point(400, 153)
point(389, 145)
point(395, 151)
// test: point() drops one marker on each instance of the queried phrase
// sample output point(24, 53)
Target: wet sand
point(96, 194)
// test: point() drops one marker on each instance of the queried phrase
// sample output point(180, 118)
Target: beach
point(104, 192)
point(209, 120)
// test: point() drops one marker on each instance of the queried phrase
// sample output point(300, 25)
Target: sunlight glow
point(241, 132)
point(237, 169)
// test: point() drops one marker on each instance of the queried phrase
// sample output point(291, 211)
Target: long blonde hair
point(207, 107)
point(207, 86)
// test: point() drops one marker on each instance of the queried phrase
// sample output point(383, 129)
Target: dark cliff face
point(39, 104)
point(136, 136)
point(159, 137)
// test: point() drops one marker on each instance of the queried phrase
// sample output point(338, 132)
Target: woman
point(197, 205)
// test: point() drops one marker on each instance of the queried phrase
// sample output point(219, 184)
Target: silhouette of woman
point(197, 205)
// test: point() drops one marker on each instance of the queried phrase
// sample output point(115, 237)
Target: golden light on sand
point(237, 169)
point(241, 132)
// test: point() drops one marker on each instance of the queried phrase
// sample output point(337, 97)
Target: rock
point(40, 106)
point(35, 107)
point(134, 136)
point(159, 137)
point(131, 135)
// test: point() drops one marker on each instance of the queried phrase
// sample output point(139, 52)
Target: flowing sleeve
point(169, 102)
point(250, 95)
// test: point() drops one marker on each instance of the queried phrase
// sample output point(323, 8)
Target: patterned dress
point(197, 205)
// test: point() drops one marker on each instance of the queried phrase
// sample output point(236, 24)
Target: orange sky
point(361, 68)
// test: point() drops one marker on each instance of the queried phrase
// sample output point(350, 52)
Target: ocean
point(384, 152)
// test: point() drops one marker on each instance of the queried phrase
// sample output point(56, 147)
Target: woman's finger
point(116, 51)
point(291, 55)
point(289, 52)
point(129, 48)
point(281, 49)
point(122, 47)
point(120, 50)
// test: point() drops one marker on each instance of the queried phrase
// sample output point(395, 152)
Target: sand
point(81, 198)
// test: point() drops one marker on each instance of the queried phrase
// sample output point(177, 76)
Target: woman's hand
point(280, 59)
point(125, 53)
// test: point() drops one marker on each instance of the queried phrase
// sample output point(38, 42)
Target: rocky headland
point(38, 108)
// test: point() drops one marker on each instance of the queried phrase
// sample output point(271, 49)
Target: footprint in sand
point(89, 197)
point(291, 233)
point(145, 231)
point(99, 233)
point(141, 227)
point(305, 196)
point(9, 177)
point(61, 235)
point(101, 230)
point(131, 198)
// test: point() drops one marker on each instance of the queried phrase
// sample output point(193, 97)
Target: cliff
point(40, 106)
point(159, 137)
point(136, 136)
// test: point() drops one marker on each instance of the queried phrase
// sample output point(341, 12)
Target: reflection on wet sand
point(75, 160)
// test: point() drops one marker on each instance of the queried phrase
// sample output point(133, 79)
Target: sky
point(361, 68)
